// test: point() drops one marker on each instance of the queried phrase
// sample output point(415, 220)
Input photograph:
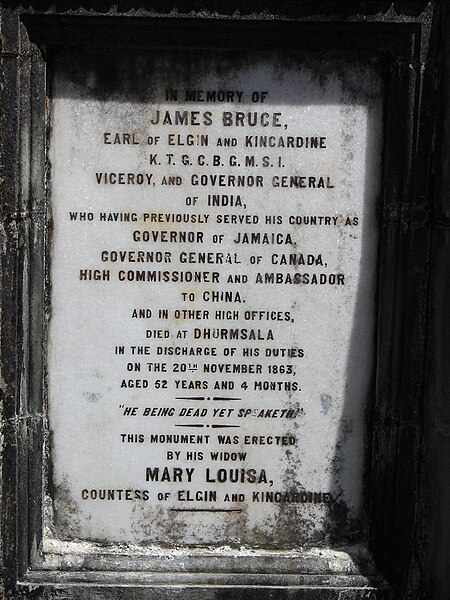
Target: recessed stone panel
point(212, 296)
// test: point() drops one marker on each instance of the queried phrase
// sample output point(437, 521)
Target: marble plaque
point(212, 261)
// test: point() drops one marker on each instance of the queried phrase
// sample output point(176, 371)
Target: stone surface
point(212, 271)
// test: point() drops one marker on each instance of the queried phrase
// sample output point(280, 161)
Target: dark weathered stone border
point(408, 417)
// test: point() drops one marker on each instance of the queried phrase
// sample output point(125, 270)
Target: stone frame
point(405, 43)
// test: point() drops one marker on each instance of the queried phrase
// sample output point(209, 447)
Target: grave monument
point(223, 300)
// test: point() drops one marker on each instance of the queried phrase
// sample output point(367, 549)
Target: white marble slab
point(177, 213)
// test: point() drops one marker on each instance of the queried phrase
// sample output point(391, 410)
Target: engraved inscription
point(212, 269)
